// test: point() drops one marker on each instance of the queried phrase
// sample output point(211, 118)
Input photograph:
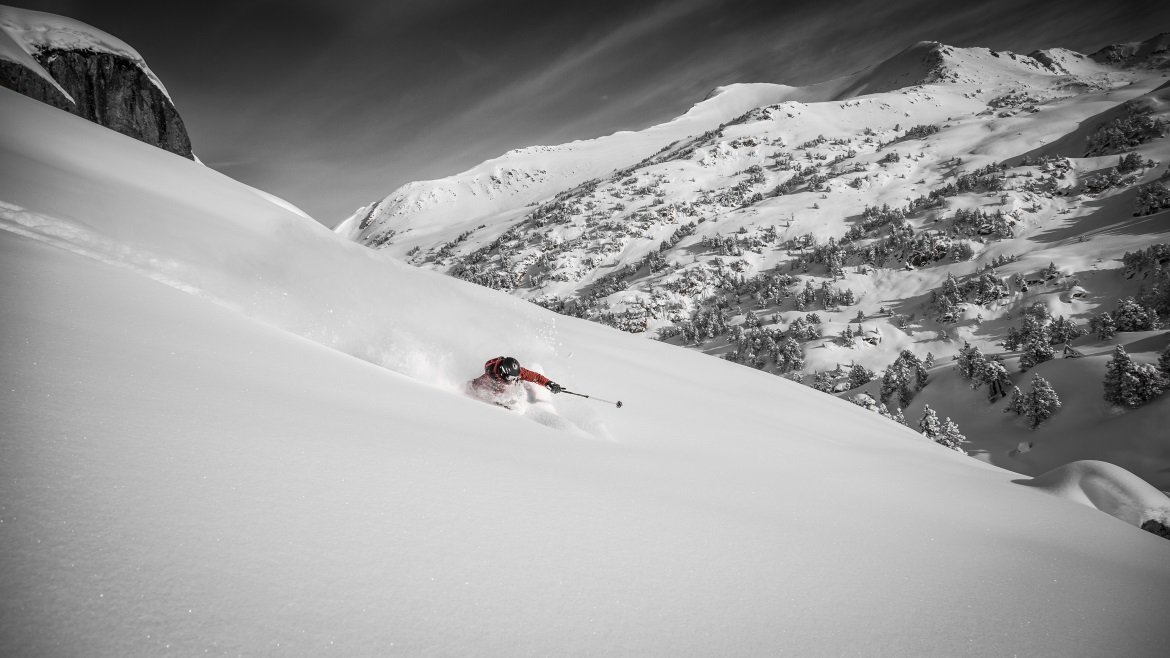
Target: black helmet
point(507, 369)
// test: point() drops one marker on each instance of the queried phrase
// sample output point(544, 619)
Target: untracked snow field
point(228, 431)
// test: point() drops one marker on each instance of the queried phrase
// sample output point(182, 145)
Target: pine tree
point(1164, 362)
point(896, 380)
point(1017, 402)
point(928, 424)
point(1132, 316)
point(950, 436)
point(899, 417)
point(1103, 326)
point(997, 379)
point(860, 375)
point(793, 357)
point(918, 367)
point(1131, 384)
point(823, 382)
point(971, 363)
point(1038, 349)
point(1040, 402)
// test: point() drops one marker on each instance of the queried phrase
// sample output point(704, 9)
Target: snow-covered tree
point(860, 375)
point(1103, 326)
point(792, 356)
point(1164, 362)
point(971, 363)
point(823, 382)
point(1151, 198)
point(896, 380)
point(899, 417)
point(1131, 384)
point(996, 376)
point(905, 371)
point(1038, 349)
point(1041, 402)
point(950, 436)
point(1132, 316)
point(928, 424)
point(1016, 404)
point(846, 336)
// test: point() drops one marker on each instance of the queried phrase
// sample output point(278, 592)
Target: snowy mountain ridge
point(522, 176)
point(835, 216)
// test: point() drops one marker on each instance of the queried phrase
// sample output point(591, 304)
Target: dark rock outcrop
point(109, 90)
point(22, 79)
point(1156, 527)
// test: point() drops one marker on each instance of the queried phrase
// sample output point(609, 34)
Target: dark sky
point(332, 104)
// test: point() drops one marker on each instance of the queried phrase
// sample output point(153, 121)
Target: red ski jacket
point(489, 380)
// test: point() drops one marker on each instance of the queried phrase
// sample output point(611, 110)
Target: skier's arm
point(540, 380)
point(534, 377)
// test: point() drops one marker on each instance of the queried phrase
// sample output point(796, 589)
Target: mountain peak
point(1153, 53)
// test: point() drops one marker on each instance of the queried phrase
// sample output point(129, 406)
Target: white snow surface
point(194, 462)
point(1109, 488)
point(32, 31)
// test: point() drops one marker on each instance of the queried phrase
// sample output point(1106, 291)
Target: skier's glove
point(554, 387)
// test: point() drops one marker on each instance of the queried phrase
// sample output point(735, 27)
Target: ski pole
point(618, 404)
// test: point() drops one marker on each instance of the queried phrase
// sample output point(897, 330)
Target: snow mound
point(34, 31)
point(1107, 487)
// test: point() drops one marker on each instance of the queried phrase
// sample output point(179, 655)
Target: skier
point(500, 379)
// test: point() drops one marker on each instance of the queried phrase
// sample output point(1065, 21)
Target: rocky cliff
point(114, 92)
point(84, 71)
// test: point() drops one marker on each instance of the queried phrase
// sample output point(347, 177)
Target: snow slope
point(183, 477)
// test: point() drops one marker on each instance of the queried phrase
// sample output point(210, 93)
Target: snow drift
point(1109, 488)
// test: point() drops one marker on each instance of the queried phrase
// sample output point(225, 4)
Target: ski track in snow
point(84, 242)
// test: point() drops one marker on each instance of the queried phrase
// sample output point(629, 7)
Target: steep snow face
point(183, 477)
point(34, 31)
